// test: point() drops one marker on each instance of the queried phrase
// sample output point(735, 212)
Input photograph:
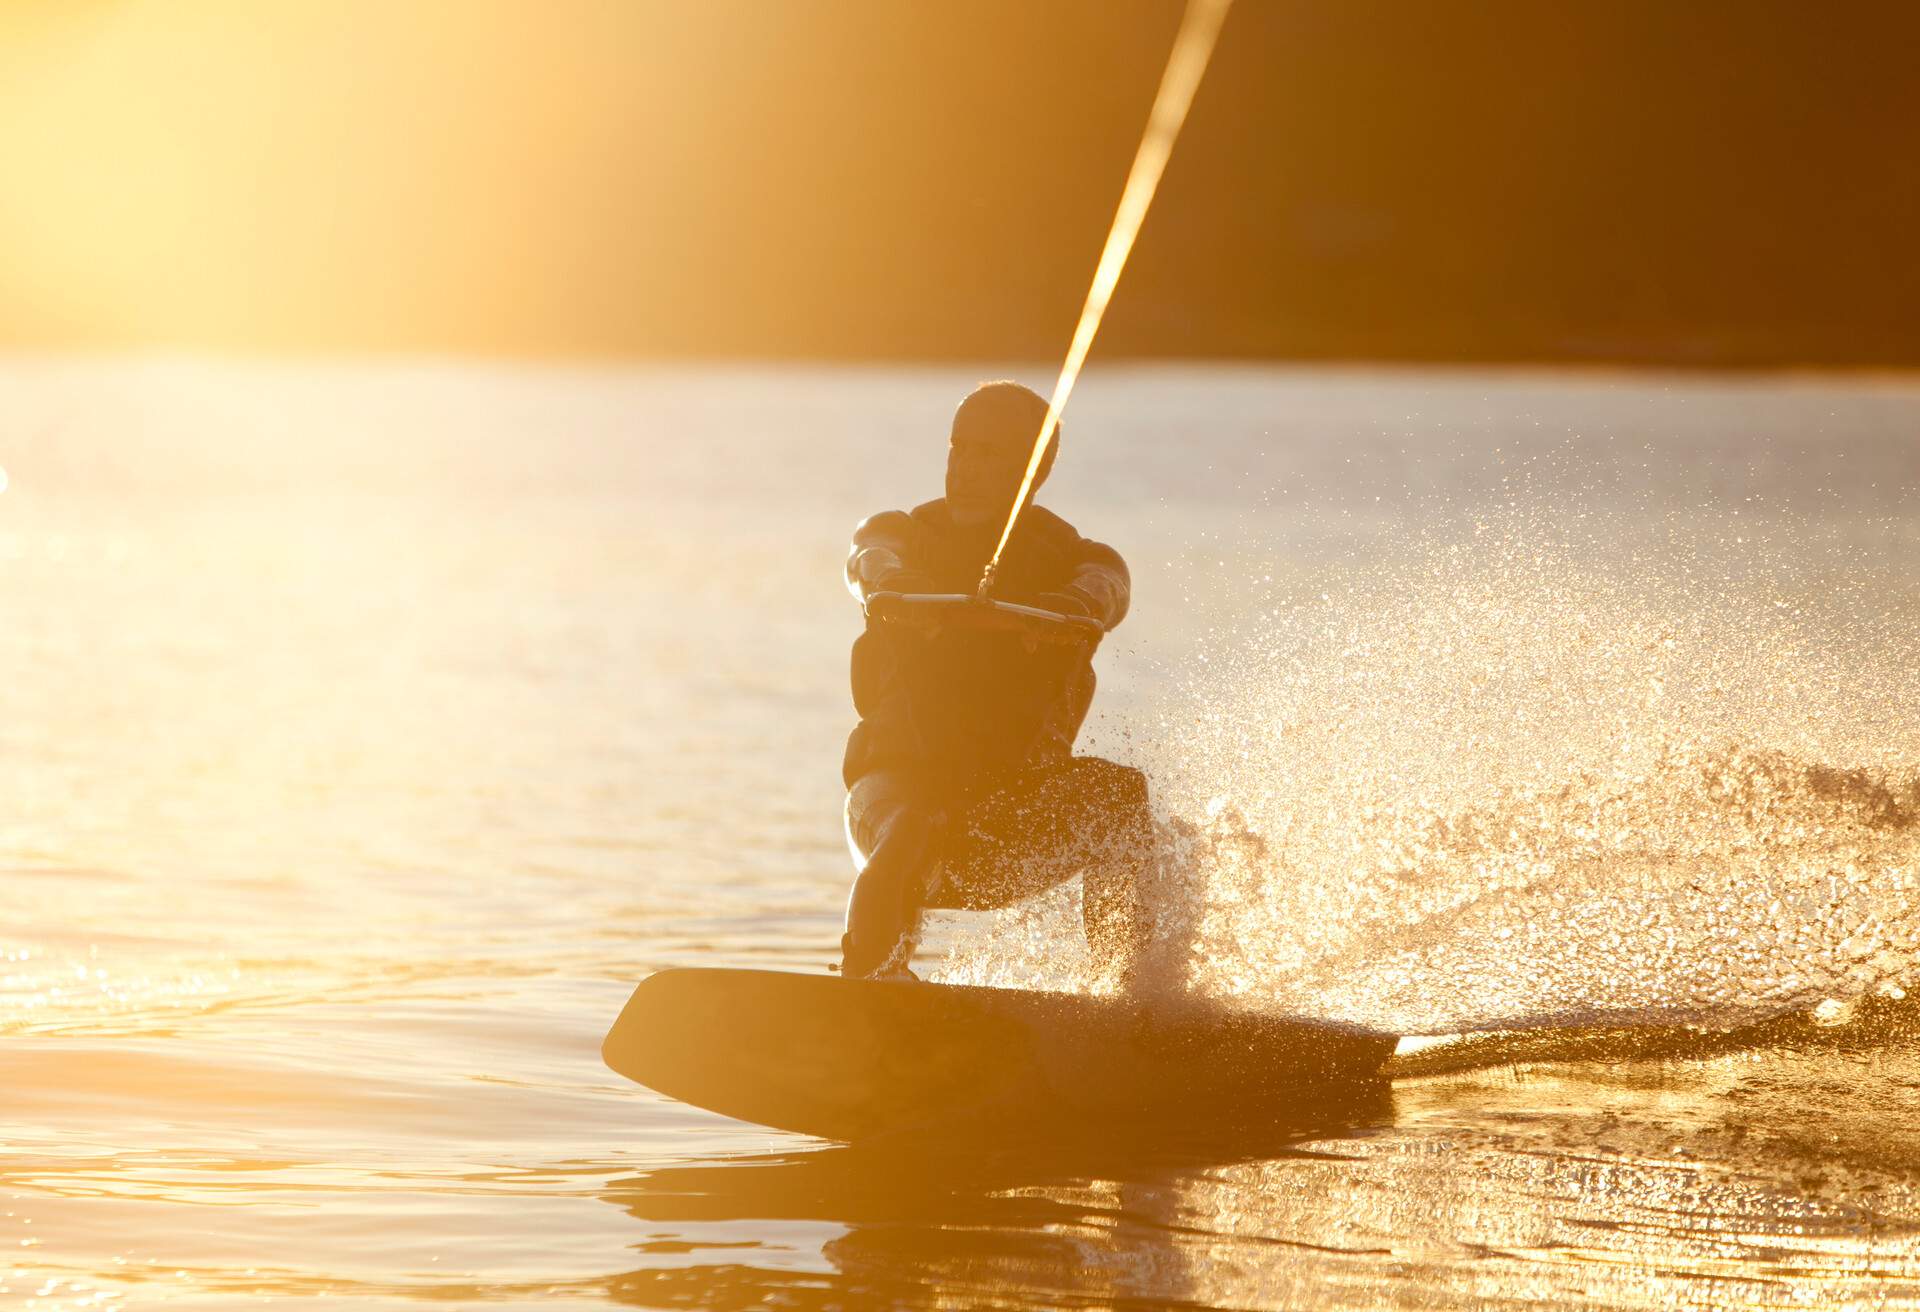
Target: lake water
point(367, 732)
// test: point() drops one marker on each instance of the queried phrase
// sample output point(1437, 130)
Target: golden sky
point(1589, 179)
point(354, 171)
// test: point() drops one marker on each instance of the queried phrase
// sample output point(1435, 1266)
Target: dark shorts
point(1036, 830)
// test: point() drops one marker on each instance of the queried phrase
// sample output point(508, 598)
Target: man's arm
point(1100, 582)
point(877, 560)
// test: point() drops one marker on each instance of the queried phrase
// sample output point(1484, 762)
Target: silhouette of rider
point(962, 788)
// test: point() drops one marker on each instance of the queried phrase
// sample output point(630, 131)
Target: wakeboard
point(863, 1059)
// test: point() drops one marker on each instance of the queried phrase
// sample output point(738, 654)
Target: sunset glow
point(576, 729)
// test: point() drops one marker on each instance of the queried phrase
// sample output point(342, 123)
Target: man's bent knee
point(1120, 787)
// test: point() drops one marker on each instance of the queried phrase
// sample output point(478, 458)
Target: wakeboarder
point(963, 791)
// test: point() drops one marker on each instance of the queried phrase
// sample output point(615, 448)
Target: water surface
point(367, 731)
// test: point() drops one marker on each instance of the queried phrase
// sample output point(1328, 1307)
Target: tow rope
point(1192, 48)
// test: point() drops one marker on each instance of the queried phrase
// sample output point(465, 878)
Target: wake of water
point(1537, 772)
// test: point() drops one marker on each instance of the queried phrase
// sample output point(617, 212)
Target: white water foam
point(1528, 773)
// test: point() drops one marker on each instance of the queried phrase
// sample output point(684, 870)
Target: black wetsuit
point(963, 790)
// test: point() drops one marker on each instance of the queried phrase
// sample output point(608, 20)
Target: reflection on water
point(1065, 1222)
point(365, 734)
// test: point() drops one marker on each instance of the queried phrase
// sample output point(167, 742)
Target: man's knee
point(1118, 789)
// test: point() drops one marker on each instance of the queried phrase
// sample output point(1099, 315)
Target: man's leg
point(1082, 815)
point(1119, 844)
point(895, 834)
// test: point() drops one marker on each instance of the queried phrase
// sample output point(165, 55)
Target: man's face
point(983, 474)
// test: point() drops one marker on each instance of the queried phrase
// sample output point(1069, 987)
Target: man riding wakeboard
point(962, 788)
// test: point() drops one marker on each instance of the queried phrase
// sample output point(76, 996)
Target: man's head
point(993, 433)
